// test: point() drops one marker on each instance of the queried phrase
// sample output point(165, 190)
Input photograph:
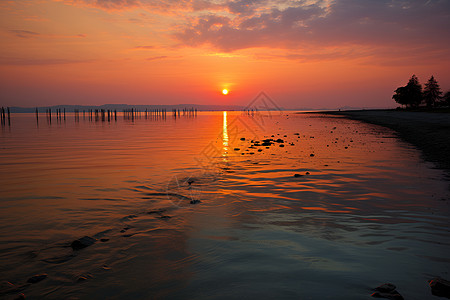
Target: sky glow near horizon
point(315, 54)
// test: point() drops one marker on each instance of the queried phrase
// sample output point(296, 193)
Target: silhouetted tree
point(446, 99)
point(411, 94)
point(400, 96)
point(432, 92)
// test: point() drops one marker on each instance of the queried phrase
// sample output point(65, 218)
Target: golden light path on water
point(225, 135)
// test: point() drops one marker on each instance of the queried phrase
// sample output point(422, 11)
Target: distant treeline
point(412, 94)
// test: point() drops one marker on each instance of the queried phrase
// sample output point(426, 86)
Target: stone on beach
point(440, 287)
point(83, 242)
point(37, 278)
point(388, 291)
point(21, 296)
point(385, 288)
point(195, 201)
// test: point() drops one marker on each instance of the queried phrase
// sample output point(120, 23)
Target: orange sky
point(315, 54)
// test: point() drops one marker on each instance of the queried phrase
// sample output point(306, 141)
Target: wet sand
point(429, 132)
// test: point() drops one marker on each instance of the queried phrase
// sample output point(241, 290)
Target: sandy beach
point(430, 132)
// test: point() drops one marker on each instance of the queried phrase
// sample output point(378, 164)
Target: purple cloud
point(25, 34)
point(342, 22)
point(157, 57)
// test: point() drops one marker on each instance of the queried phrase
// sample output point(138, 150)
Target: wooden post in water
point(2, 116)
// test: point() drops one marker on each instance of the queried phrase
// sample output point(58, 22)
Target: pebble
point(388, 291)
point(82, 243)
point(37, 278)
point(21, 296)
point(440, 287)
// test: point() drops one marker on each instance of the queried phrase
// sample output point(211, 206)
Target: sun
point(224, 91)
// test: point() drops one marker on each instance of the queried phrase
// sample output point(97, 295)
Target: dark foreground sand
point(430, 132)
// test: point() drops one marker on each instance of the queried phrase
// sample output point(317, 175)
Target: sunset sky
point(316, 54)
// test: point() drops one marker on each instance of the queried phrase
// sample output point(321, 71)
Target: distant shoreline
point(428, 131)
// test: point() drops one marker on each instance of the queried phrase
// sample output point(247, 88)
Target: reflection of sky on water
point(369, 210)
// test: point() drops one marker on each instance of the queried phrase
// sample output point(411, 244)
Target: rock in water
point(82, 243)
point(298, 175)
point(37, 278)
point(388, 291)
point(440, 287)
point(385, 288)
point(390, 296)
point(21, 296)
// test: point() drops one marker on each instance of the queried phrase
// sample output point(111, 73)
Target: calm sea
point(193, 208)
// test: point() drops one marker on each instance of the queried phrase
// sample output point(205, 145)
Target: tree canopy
point(432, 92)
point(410, 94)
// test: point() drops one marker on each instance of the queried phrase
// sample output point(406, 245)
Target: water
point(363, 210)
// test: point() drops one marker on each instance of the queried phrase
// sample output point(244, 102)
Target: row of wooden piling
point(185, 111)
point(131, 114)
point(5, 114)
point(101, 114)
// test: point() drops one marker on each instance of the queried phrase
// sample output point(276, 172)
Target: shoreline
point(428, 131)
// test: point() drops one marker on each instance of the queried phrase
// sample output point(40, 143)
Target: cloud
point(25, 34)
point(38, 62)
point(166, 6)
point(157, 57)
point(293, 24)
point(106, 4)
point(144, 47)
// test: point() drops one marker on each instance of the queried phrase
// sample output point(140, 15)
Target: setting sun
point(225, 91)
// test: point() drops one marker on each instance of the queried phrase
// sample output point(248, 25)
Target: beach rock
point(312, 155)
point(195, 201)
point(281, 145)
point(37, 278)
point(279, 141)
point(391, 296)
point(298, 175)
point(296, 133)
point(388, 291)
point(158, 211)
point(440, 287)
point(21, 296)
point(307, 173)
point(83, 242)
point(237, 149)
point(385, 288)
point(242, 139)
point(83, 278)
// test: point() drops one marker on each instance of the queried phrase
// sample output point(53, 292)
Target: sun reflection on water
point(225, 135)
